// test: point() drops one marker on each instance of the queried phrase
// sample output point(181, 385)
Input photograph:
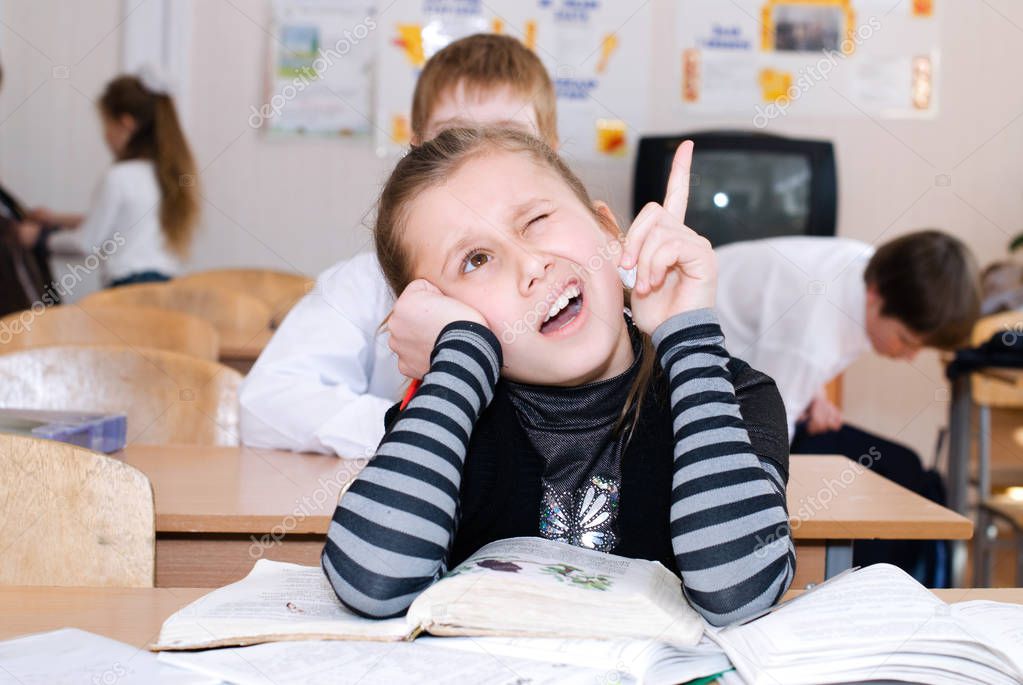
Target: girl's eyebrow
point(457, 249)
point(523, 208)
point(516, 214)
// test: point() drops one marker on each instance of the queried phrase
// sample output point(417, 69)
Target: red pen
point(412, 387)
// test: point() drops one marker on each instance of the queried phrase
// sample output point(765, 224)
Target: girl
point(629, 433)
point(147, 205)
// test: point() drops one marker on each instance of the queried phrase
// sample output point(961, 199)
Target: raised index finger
point(676, 198)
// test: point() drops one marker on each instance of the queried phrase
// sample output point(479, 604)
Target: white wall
point(302, 205)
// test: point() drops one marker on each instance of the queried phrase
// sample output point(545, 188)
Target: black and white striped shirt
point(393, 531)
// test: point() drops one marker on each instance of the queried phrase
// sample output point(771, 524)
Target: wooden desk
point(241, 352)
point(992, 387)
point(134, 616)
point(834, 500)
point(131, 615)
point(218, 509)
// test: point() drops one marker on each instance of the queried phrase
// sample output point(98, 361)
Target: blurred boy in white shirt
point(803, 309)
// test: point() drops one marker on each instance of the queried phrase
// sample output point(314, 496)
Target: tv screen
point(746, 187)
point(748, 195)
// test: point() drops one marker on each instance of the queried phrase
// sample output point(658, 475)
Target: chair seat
point(1002, 477)
point(1008, 508)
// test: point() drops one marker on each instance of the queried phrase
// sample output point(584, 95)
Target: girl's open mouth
point(563, 311)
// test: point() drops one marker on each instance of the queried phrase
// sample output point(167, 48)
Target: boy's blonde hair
point(486, 62)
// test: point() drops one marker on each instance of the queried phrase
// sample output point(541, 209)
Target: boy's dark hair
point(929, 281)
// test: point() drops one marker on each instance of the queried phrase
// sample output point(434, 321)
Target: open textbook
point(457, 661)
point(878, 623)
point(518, 587)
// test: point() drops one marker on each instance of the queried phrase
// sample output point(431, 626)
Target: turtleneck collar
point(548, 407)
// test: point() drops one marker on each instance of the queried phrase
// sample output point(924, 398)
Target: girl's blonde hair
point(158, 137)
point(431, 164)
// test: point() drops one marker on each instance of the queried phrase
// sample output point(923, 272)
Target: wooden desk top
point(206, 489)
point(833, 497)
point(131, 615)
point(202, 489)
point(244, 347)
point(135, 615)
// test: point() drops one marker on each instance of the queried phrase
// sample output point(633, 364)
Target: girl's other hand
point(42, 215)
point(676, 266)
point(28, 233)
point(418, 317)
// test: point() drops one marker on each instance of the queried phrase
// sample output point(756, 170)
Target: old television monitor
point(745, 186)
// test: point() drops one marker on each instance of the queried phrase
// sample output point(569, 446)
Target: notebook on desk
point(99, 432)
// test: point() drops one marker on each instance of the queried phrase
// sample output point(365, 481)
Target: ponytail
point(158, 137)
point(176, 175)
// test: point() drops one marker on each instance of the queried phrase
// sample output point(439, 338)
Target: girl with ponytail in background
point(147, 205)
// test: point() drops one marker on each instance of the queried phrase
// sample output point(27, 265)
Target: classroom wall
point(302, 205)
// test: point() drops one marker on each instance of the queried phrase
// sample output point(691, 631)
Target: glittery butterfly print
point(584, 518)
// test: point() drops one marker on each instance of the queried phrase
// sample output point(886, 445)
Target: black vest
point(501, 479)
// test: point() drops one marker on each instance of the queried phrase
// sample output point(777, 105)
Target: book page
point(368, 663)
point(648, 661)
point(897, 661)
point(75, 657)
point(541, 588)
point(558, 566)
point(998, 623)
point(877, 606)
point(275, 601)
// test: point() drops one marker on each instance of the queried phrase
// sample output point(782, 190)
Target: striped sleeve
point(392, 530)
point(729, 520)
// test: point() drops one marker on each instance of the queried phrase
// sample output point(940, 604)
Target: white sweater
point(123, 226)
point(327, 377)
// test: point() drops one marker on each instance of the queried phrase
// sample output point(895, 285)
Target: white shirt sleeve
point(98, 224)
point(310, 388)
point(801, 379)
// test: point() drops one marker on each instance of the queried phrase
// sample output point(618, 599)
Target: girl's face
point(508, 237)
point(117, 131)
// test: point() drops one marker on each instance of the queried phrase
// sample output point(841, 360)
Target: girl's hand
point(42, 215)
point(28, 233)
point(676, 267)
point(418, 317)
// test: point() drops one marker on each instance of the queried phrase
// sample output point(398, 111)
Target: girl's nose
point(534, 267)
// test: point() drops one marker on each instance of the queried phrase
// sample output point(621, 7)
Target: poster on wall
point(319, 81)
point(596, 51)
point(771, 58)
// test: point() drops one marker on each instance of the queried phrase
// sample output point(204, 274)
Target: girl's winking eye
point(475, 258)
point(472, 260)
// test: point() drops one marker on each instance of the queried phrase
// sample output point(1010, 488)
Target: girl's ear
point(607, 218)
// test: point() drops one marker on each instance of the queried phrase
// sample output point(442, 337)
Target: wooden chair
point(162, 329)
point(1002, 391)
point(167, 397)
point(278, 290)
point(237, 317)
point(73, 517)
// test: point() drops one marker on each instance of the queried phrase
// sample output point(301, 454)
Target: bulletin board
point(774, 58)
point(319, 77)
point(596, 51)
